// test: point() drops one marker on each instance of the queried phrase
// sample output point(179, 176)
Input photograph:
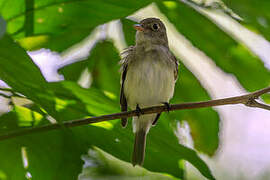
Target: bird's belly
point(149, 83)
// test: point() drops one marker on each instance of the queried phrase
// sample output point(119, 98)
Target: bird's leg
point(167, 106)
point(156, 119)
point(138, 110)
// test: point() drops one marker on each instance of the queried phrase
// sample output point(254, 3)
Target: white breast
point(149, 82)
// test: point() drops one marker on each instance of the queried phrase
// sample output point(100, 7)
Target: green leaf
point(229, 55)
point(34, 153)
point(103, 66)
point(62, 100)
point(19, 72)
point(65, 22)
point(255, 14)
point(17, 69)
point(20, 117)
point(26, 117)
point(8, 122)
point(204, 123)
point(73, 72)
point(129, 31)
point(94, 100)
point(99, 164)
point(266, 98)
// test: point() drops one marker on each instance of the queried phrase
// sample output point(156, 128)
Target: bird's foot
point(138, 110)
point(124, 122)
point(167, 106)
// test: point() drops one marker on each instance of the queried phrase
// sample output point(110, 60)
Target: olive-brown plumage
point(149, 72)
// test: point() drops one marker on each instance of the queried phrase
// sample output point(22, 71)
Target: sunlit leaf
point(254, 13)
point(99, 164)
point(65, 22)
point(20, 73)
point(62, 100)
point(266, 98)
point(129, 31)
point(48, 151)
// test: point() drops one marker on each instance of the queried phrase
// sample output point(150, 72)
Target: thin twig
point(248, 100)
point(254, 103)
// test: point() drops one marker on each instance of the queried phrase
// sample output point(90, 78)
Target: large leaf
point(254, 13)
point(129, 31)
point(204, 123)
point(104, 68)
point(17, 69)
point(53, 151)
point(62, 22)
point(101, 165)
point(229, 55)
point(19, 117)
point(20, 73)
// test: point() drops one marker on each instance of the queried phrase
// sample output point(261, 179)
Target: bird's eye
point(155, 27)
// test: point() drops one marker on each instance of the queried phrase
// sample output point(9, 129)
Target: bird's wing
point(123, 100)
point(124, 67)
point(173, 58)
point(176, 64)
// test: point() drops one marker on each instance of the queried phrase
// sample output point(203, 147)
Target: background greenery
point(59, 24)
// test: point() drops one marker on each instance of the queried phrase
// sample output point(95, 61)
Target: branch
point(248, 100)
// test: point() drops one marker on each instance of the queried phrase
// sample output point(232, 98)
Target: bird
point(149, 72)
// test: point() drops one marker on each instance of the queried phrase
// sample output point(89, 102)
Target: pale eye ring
point(155, 26)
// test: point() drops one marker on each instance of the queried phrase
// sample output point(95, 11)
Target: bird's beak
point(138, 27)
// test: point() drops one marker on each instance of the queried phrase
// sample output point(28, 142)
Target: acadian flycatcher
point(149, 72)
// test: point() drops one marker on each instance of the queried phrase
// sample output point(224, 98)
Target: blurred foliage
point(255, 14)
point(59, 24)
point(266, 98)
point(103, 66)
point(228, 54)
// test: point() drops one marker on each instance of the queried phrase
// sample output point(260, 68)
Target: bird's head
point(151, 31)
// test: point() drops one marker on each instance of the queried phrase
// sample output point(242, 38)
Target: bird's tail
point(139, 147)
point(141, 126)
